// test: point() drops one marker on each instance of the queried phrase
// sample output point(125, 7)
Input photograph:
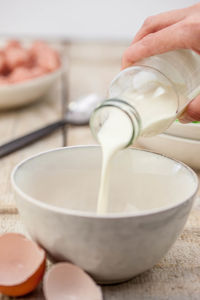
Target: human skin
point(176, 29)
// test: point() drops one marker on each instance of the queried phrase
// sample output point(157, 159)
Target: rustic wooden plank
point(11, 223)
point(17, 122)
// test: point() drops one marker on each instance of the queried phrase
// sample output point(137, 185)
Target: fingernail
point(184, 118)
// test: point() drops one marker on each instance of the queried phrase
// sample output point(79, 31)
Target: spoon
point(78, 113)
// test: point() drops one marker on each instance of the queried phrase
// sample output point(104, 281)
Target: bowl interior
point(140, 180)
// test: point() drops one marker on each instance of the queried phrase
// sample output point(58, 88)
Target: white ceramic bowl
point(185, 150)
point(190, 130)
point(18, 94)
point(56, 194)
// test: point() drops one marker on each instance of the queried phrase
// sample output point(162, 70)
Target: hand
point(177, 29)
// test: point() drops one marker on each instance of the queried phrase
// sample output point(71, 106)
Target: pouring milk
point(144, 101)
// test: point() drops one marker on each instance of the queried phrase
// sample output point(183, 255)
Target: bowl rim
point(175, 123)
point(177, 138)
point(33, 81)
point(85, 214)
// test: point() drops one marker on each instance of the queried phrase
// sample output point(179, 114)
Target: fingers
point(192, 112)
point(167, 39)
point(160, 21)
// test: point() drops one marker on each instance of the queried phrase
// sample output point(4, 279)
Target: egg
point(65, 281)
point(22, 264)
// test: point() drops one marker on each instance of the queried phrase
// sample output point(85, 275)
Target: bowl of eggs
point(179, 141)
point(26, 73)
point(149, 201)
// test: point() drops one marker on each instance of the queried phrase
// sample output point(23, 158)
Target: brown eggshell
point(16, 55)
point(21, 74)
point(2, 62)
point(67, 281)
point(37, 71)
point(22, 264)
point(3, 80)
point(13, 43)
point(44, 56)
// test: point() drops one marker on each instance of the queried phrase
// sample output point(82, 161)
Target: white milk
point(113, 136)
point(157, 109)
point(159, 88)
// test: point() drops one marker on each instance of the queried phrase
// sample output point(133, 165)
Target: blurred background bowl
point(189, 131)
point(18, 94)
point(183, 149)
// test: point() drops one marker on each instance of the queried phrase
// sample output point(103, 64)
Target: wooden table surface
point(89, 67)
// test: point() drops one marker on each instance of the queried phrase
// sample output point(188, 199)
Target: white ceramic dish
point(15, 95)
point(114, 247)
point(185, 150)
point(190, 130)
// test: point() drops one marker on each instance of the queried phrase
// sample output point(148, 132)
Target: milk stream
point(113, 136)
point(157, 107)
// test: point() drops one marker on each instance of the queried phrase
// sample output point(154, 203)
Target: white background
point(85, 19)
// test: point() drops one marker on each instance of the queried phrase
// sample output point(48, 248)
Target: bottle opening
point(115, 117)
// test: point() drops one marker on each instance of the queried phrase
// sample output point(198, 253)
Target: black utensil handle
point(29, 138)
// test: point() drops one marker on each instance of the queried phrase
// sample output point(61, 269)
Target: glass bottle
point(152, 93)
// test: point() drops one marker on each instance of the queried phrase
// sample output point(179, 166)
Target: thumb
point(192, 113)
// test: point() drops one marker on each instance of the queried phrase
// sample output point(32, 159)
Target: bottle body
point(152, 93)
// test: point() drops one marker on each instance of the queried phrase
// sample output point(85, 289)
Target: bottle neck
point(101, 114)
